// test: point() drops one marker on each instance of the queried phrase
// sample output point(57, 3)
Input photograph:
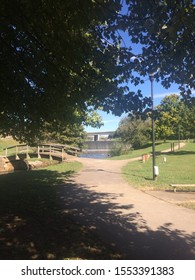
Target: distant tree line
point(174, 119)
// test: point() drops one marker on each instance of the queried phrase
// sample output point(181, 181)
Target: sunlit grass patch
point(179, 168)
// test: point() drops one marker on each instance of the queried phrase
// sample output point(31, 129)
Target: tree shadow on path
point(41, 217)
point(127, 233)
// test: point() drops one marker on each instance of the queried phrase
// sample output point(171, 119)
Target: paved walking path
point(141, 225)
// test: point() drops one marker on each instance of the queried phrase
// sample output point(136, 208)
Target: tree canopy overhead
point(59, 58)
point(166, 31)
point(56, 60)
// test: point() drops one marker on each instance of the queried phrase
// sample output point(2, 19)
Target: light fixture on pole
point(151, 77)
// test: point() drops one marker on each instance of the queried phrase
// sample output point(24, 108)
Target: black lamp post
point(151, 76)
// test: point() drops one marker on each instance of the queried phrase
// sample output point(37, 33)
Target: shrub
point(120, 149)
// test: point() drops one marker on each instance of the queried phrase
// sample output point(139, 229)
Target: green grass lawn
point(179, 168)
point(136, 153)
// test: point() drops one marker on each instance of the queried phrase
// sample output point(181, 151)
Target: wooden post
point(17, 157)
point(50, 157)
point(38, 152)
point(62, 154)
point(27, 154)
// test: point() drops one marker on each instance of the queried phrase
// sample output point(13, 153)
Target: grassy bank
point(6, 142)
point(160, 146)
point(179, 168)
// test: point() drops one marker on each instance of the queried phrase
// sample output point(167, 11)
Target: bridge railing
point(51, 150)
point(17, 150)
point(57, 148)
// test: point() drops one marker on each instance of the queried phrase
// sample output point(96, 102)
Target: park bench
point(175, 186)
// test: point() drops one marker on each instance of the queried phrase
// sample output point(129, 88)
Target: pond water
point(94, 155)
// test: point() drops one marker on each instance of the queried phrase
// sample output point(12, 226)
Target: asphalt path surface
point(141, 225)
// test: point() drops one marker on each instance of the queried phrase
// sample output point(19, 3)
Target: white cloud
point(162, 95)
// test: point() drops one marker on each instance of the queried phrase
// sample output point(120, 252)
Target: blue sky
point(111, 122)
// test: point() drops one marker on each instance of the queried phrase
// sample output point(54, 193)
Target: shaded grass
point(6, 142)
point(178, 169)
point(33, 224)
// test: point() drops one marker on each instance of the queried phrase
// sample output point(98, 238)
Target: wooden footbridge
point(52, 151)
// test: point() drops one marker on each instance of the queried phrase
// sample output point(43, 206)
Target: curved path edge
point(138, 224)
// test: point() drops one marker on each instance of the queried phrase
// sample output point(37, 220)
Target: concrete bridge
point(97, 136)
point(99, 142)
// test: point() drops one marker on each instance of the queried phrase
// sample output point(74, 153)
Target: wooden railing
point(51, 150)
point(18, 150)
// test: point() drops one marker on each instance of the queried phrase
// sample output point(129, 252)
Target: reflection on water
point(94, 155)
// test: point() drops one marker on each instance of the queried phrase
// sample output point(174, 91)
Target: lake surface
point(94, 155)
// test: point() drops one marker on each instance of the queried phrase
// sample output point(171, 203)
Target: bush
point(120, 149)
point(139, 141)
point(135, 132)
